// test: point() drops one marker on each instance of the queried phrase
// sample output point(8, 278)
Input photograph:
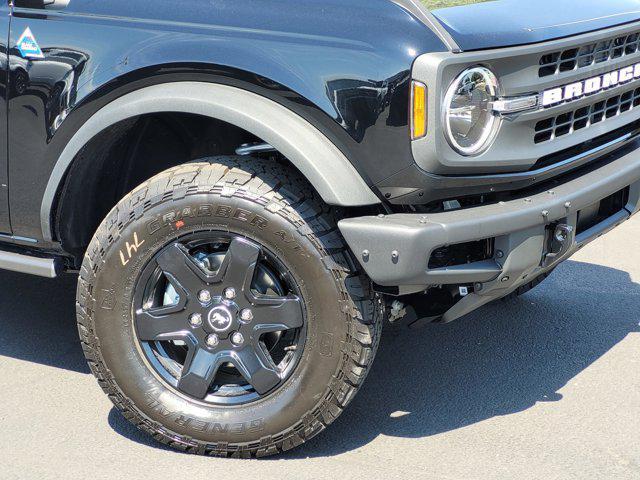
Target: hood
point(505, 23)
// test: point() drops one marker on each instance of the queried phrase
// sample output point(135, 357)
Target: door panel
point(5, 225)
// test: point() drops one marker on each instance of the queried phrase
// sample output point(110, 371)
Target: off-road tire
point(344, 325)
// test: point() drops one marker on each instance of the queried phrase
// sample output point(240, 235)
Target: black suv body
point(247, 188)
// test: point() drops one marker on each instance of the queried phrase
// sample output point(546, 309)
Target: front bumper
point(395, 250)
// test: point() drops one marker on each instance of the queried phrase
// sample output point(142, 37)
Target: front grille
point(590, 54)
point(537, 145)
point(593, 148)
point(569, 122)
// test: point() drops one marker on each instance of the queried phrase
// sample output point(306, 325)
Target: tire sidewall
point(135, 244)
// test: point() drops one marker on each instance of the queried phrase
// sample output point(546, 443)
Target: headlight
point(469, 122)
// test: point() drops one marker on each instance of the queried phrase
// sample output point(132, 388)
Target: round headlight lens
point(470, 125)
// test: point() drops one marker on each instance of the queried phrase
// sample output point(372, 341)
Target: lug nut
point(230, 293)
point(237, 339)
point(204, 296)
point(195, 320)
point(246, 315)
point(213, 340)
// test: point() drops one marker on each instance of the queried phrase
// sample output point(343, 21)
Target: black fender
point(341, 66)
point(317, 158)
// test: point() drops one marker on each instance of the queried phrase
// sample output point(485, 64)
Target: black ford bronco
point(248, 189)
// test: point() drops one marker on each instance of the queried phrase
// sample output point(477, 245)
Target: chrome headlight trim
point(492, 122)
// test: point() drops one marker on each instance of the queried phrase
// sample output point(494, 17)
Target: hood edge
point(418, 10)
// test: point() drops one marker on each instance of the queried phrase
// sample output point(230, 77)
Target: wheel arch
point(324, 165)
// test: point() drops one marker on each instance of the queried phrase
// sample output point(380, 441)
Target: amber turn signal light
point(418, 110)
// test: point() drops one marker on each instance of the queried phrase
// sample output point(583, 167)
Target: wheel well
point(126, 154)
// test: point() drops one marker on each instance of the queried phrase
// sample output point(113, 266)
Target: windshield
point(434, 4)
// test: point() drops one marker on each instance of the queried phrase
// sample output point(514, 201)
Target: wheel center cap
point(220, 318)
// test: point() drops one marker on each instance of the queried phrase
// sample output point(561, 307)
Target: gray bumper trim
point(518, 227)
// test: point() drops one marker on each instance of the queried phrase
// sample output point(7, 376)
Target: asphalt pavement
point(545, 386)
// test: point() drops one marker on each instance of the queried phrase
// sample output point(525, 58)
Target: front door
point(5, 18)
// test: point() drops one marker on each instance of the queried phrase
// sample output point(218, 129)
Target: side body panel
point(343, 65)
point(5, 224)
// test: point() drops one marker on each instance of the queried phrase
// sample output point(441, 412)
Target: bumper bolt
point(499, 254)
point(212, 340)
point(237, 339)
point(229, 293)
point(195, 320)
point(246, 315)
point(204, 296)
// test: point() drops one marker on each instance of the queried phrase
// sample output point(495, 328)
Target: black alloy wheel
point(219, 318)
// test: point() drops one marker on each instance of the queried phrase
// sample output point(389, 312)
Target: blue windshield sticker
point(28, 46)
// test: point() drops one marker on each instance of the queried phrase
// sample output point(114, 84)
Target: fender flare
point(319, 160)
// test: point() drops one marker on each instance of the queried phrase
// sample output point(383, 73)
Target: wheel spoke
point(182, 270)
point(257, 368)
point(156, 325)
point(277, 314)
point(199, 371)
point(239, 264)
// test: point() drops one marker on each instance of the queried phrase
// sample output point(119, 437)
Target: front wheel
point(221, 311)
